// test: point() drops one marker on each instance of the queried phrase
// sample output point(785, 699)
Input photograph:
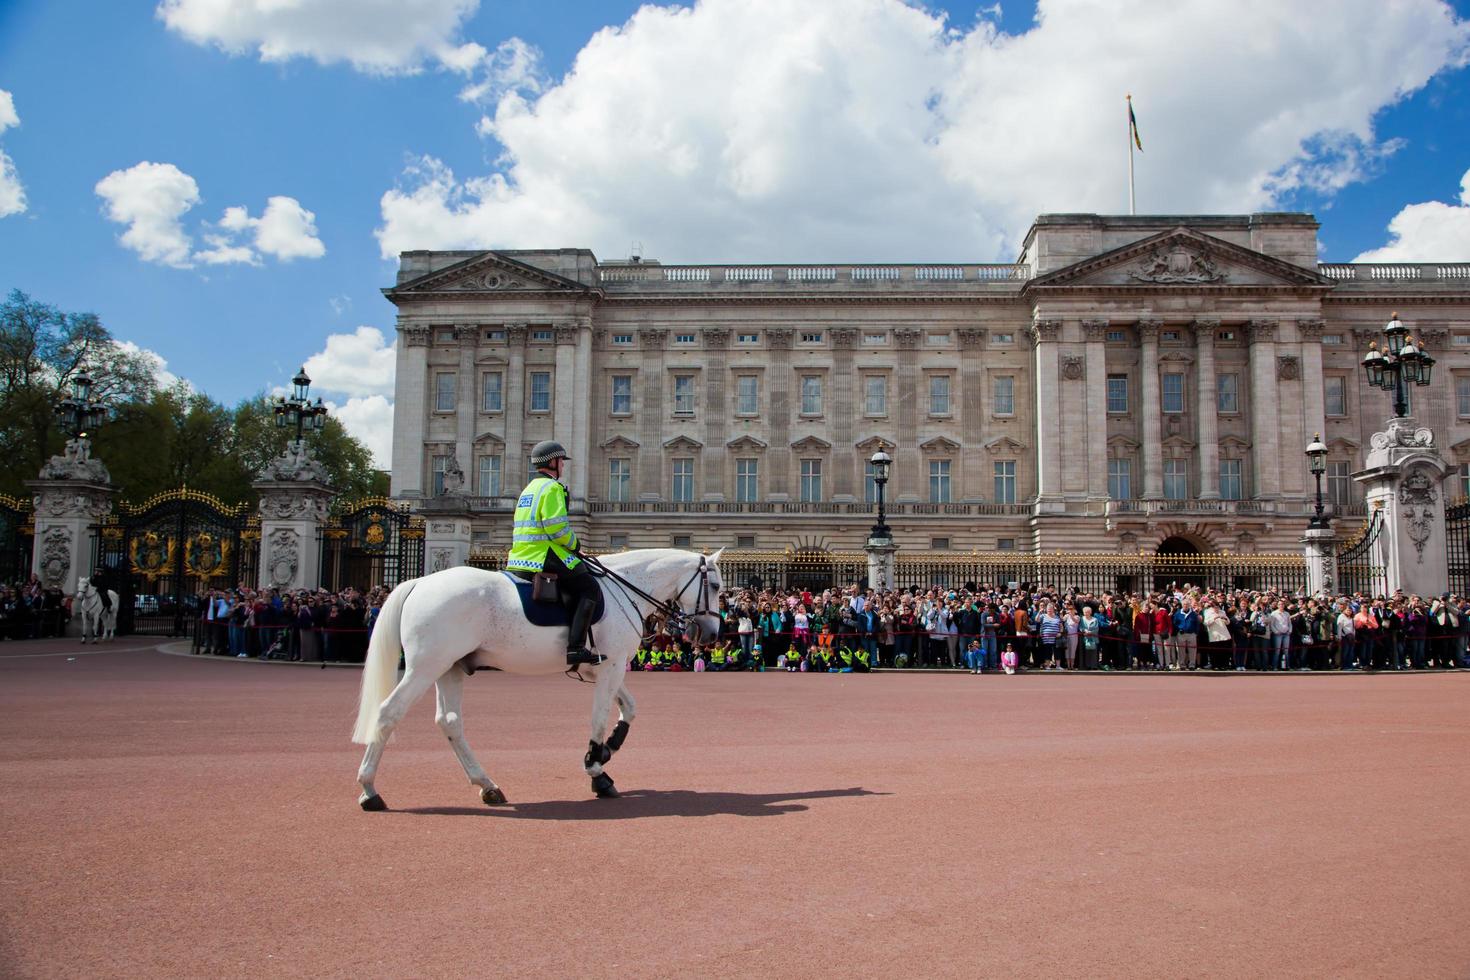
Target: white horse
point(472, 615)
point(97, 623)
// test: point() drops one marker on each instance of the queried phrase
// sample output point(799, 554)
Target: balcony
point(1455, 274)
point(1284, 507)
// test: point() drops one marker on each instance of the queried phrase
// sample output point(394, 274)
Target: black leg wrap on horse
point(597, 752)
point(619, 732)
point(602, 785)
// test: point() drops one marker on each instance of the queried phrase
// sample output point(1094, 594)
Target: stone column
point(1314, 416)
point(717, 413)
point(466, 401)
point(1319, 544)
point(973, 416)
point(411, 410)
point(1207, 407)
point(903, 406)
point(1153, 436)
point(72, 496)
point(1047, 374)
point(881, 565)
point(653, 386)
point(581, 446)
point(846, 465)
point(1403, 478)
point(1095, 333)
point(513, 468)
point(1265, 455)
point(294, 497)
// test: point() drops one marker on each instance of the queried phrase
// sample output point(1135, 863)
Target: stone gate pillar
point(294, 497)
point(1403, 476)
point(881, 565)
point(72, 496)
point(1320, 547)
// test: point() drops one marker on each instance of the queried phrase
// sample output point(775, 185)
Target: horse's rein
point(669, 607)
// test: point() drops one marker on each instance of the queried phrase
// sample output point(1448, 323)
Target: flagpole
point(1129, 122)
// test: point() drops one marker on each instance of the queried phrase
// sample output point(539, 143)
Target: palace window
point(997, 339)
point(622, 394)
point(747, 481)
point(939, 394)
point(1339, 483)
point(811, 394)
point(488, 484)
point(495, 336)
point(747, 394)
point(1176, 479)
point(683, 481)
point(1005, 481)
point(939, 481)
point(622, 340)
point(1230, 480)
point(1117, 394)
point(1005, 544)
point(1120, 479)
point(444, 392)
point(492, 392)
point(870, 483)
point(811, 481)
point(1227, 394)
point(542, 336)
point(1462, 395)
point(619, 480)
point(1332, 340)
point(681, 541)
point(437, 467)
point(540, 391)
point(745, 541)
point(617, 542)
point(811, 337)
point(1004, 395)
point(874, 339)
point(1334, 395)
point(683, 394)
point(939, 544)
point(936, 339)
point(747, 338)
point(1464, 473)
point(875, 395)
point(1173, 393)
point(1169, 335)
point(1116, 336)
point(684, 338)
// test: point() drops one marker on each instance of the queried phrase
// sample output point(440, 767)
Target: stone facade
point(1127, 380)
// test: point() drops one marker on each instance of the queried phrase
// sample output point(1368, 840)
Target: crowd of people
point(29, 611)
point(1180, 628)
point(271, 624)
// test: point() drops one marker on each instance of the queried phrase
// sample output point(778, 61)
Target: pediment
point(746, 444)
point(1181, 259)
point(1234, 442)
point(811, 444)
point(1123, 443)
point(1461, 449)
point(1004, 446)
point(619, 444)
point(489, 439)
point(489, 272)
point(683, 443)
point(939, 444)
point(1176, 443)
point(874, 443)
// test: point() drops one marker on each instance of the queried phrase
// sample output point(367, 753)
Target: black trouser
point(579, 592)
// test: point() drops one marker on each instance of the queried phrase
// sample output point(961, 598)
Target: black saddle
point(553, 613)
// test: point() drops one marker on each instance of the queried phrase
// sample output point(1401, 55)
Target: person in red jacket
point(1163, 629)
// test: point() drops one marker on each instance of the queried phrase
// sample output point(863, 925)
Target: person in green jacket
point(543, 541)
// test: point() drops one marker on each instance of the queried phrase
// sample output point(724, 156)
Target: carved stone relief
point(1262, 330)
point(1178, 264)
point(908, 338)
point(283, 556)
point(1417, 495)
point(76, 463)
point(55, 557)
point(296, 464)
point(716, 338)
point(441, 559)
point(1288, 368)
point(779, 338)
point(971, 339)
point(1094, 331)
point(1072, 367)
point(1042, 331)
point(844, 338)
point(414, 335)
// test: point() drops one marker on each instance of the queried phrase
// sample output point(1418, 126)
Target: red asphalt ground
point(178, 817)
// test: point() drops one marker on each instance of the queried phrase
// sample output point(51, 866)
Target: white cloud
point(377, 36)
point(151, 198)
point(514, 67)
point(1428, 232)
point(869, 128)
point(357, 363)
point(370, 421)
point(12, 193)
point(156, 361)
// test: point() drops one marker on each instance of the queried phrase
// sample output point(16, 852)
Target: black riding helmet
point(544, 452)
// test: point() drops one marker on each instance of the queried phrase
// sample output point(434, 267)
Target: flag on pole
point(1133, 125)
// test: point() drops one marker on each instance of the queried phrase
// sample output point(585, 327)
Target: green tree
point(176, 437)
point(348, 462)
point(41, 350)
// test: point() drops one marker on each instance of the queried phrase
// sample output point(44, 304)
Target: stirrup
point(581, 655)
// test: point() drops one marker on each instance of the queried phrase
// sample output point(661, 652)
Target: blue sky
point(740, 130)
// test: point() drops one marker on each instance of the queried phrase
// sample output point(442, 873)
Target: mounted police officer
point(545, 542)
point(102, 581)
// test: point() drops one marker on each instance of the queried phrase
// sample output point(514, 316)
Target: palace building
point(1126, 382)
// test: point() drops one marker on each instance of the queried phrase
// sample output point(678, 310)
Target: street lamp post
point(299, 411)
point(1317, 459)
point(881, 535)
point(1401, 363)
point(79, 414)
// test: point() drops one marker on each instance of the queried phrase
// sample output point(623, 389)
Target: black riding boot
point(577, 652)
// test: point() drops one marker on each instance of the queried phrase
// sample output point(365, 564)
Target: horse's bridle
point(669, 607)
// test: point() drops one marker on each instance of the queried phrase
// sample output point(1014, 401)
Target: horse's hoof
point(493, 797)
point(373, 804)
point(602, 785)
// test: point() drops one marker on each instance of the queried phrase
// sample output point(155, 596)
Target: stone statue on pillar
point(294, 497)
point(72, 496)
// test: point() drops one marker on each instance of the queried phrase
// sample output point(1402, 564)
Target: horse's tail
point(380, 671)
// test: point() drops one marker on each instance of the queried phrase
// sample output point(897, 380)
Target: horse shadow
point(639, 803)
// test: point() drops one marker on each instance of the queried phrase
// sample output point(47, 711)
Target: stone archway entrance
point(1176, 562)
